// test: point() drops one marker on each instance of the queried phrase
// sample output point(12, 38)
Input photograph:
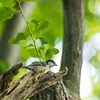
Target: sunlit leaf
point(8, 3)
point(51, 52)
point(18, 38)
point(6, 13)
point(30, 45)
point(12, 41)
point(44, 25)
point(32, 52)
point(43, 41)
point(41, 48)
point(36, 22)
point(55, 51)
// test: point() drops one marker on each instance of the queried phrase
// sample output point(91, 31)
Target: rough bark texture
point(6, 78)
point(54, 92)
point(37, 86)
point(29, 85)
point(72, 44)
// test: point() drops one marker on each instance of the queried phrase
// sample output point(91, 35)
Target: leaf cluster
point(39, 48)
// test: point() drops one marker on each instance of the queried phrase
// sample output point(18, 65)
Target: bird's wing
point(31, 66)
point(43, 64)
point(38, 64)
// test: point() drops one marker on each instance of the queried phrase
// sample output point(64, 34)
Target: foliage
point(92, 28)
point(38, 38)
point(46, 26)
point(39, 48)
point(19, 37)
point(6, 9)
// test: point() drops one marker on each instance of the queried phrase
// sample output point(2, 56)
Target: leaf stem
point(30, 31)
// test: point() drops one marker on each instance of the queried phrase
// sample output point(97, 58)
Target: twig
point(30, 85)
point(30, 31)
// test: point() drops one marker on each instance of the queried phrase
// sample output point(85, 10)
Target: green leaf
point(6, 13)
point(18, 38)
point(30, 45)
point(32, 52)
point(44, 25)
point(55, 51)
point(50, 52)
point(41, 49)
point(8, 3)
point(36, 22)
point(12, 41)
point(43, 41)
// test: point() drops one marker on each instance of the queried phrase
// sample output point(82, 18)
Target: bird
point(39, 66)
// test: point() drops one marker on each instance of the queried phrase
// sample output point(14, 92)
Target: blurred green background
point(52, 11)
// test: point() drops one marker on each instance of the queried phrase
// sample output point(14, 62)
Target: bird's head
point(51, 63)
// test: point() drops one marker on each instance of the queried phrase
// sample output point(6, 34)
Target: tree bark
point(29, 85)
point(71, 57)
point(72, 44)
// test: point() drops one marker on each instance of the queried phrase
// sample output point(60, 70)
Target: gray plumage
point(36, 67)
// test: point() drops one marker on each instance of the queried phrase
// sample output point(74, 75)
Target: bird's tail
point(27, 67)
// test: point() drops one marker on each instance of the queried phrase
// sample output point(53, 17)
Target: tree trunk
point(72, 54)
point(72, 44)
point(71, 57)
point(29, 85)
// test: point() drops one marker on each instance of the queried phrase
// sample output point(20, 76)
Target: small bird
point(39, 66)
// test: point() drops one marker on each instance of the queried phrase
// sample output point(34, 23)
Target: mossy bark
point(72, 43)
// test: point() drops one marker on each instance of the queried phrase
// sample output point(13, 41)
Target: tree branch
point(29, 85)
point(6, 78)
